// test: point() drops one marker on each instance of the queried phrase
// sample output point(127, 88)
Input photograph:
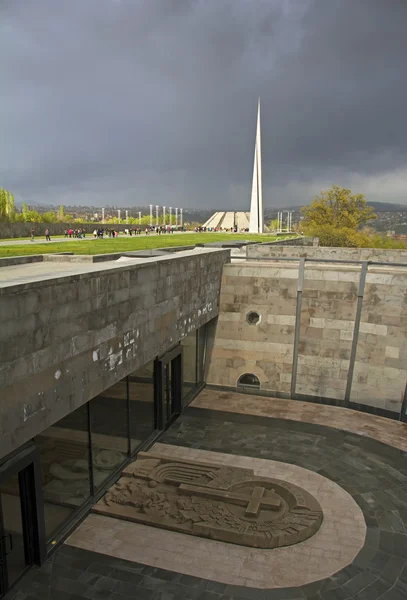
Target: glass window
point(142, 412)
point(201, 353)
point(64, 459)
point(109, 431)
point(14, 530)
point(189, 363)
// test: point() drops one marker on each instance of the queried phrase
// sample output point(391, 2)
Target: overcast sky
point(135, 102)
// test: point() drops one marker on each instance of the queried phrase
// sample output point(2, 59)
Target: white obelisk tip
point(256, 204)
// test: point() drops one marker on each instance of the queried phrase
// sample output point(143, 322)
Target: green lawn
point(125, 244)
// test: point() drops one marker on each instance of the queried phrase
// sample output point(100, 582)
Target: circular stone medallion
point(272, 513)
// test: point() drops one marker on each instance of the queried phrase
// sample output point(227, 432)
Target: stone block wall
point(328, 311)
point(381, 359)
point(264, 349)
point(288, 251)
point(17, 230)
point(295, 241)
point(65, 340)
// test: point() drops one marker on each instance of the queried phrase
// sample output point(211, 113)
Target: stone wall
point(287, 251)
point(20, 230)
point(65, 340)
point(295, 241)
point(328, 310)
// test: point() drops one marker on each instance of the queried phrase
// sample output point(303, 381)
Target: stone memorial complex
point(223, 503)
point(181, 402)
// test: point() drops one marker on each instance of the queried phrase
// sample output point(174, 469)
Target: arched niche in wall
point(249, 380)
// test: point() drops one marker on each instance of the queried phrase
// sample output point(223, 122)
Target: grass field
point(125, 244)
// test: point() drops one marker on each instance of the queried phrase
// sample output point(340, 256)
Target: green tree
point(31, 216)
point(338, 207)
point(273, 226)
point(48, 217)
point(336, 216)
point(7, 205)
point(61, 213)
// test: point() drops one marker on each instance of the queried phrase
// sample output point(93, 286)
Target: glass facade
point(142, 405)
point(201, 354)
point(109, 426)
point(79, 457)
point(189, 363)
point(193, 361)
point(13, 529)
point(65, 468)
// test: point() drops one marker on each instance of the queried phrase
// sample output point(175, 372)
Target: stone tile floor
point(373, 473)
point(372, 426)
point(335, 545)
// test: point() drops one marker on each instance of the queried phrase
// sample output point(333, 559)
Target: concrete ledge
point(21, 260)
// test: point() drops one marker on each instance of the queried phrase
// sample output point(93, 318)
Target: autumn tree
point(339, 207)
point(336, 216)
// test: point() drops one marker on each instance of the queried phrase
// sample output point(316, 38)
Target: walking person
point(47, 235)
point(32, 234)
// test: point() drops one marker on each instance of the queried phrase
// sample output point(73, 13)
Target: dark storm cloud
point(139, 101)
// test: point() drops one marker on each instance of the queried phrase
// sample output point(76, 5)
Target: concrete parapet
point(289, 251)
point(65, 339)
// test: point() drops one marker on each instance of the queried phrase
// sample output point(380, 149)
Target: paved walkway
point(381, 429)
point(335, 545)
point(373, 474)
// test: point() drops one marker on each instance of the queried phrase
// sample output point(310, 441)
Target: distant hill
point(377, 206)
point(388, 207)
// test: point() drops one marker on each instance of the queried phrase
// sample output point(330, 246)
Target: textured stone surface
point(373, 254)
point(386, 431)
point(225, 503)
point(339, 539)
point(66, 339)
point(373, 474)
point(328, 310)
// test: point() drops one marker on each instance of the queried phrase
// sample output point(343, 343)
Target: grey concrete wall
point(16, 230)
point(65, 340)
point(20, 260)
point(373, 254)
point(329, 301)
point(299, 241)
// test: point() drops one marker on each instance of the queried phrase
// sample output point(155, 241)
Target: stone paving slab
point(387, 431)
point(332, 548)
point(373, 473)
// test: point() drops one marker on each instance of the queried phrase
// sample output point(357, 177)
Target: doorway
point(169, 387)
point(19, 523)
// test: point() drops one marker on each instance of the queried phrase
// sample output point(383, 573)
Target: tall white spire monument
point(256, 205)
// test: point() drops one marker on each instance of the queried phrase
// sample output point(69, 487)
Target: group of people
point(136, 231)
point(46, 232)
point(75, 233)
point(164, 229)
point(112, 233)
point(99, 233)
point(226, 229)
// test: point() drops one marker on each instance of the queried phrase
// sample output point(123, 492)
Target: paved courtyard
point(362, 480)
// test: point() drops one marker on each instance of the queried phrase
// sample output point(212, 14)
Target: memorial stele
point(219, 502)
point(256, 222)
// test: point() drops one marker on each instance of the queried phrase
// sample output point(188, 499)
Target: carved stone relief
point(222, 503)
